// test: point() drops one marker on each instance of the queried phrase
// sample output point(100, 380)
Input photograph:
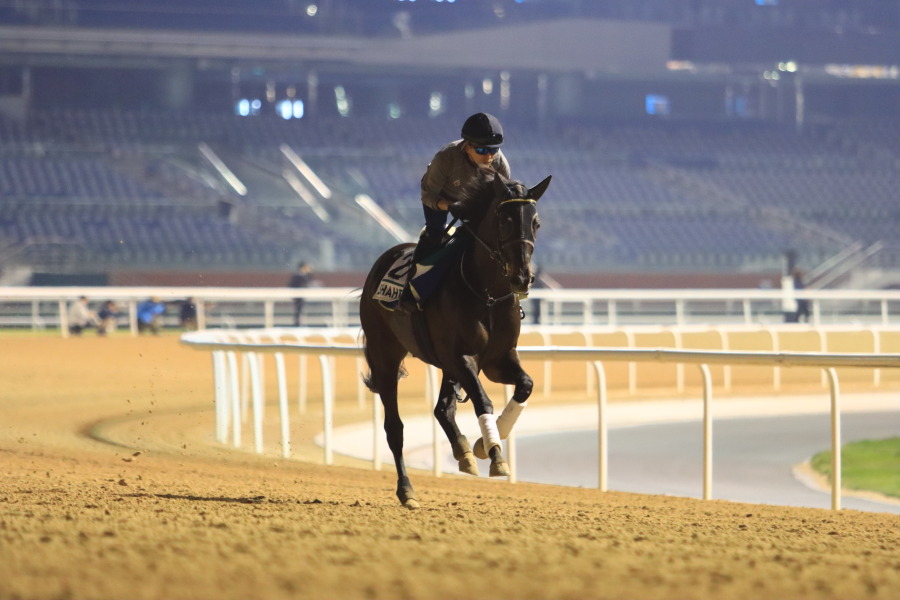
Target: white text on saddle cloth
point(392, 283)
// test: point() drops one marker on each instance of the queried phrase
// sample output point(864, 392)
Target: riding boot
point(427, 244)
point(408, 304)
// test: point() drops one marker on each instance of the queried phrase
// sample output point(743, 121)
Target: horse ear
point(537, 191)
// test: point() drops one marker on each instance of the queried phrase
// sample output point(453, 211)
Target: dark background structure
point(686, 137)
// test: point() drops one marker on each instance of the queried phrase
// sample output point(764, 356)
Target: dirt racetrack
point(112, 487)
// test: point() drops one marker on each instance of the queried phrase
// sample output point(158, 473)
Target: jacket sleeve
point(435, 179)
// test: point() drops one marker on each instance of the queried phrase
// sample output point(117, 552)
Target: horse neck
point(480, 270)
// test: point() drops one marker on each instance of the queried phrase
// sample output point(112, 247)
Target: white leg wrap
point(508, 417)
point(489, 433)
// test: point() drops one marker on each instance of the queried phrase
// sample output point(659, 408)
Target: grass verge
point(869, 465)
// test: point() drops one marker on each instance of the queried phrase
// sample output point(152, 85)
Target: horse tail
point(368, 378)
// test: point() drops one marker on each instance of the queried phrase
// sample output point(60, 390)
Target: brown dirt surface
point(113, 487)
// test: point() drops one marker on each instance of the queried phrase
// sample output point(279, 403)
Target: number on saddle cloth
point(428, 274)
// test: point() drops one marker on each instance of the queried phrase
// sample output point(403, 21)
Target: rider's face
point(482, 160)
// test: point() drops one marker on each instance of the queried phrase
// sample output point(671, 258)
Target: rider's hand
point(456, 209)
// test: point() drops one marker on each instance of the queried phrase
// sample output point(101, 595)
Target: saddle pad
point(391, 286)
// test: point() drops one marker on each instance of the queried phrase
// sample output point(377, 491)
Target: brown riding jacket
point(450, 170)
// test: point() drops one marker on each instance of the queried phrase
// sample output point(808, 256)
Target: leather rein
point(496, 255)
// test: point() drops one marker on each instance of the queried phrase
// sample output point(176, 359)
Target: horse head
point(502, 217)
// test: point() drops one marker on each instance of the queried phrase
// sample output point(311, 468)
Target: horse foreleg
point(393, 428)
point(505, 423)
point(467, 373)
point(445, 413)
point(490, 439)
point(508, 372)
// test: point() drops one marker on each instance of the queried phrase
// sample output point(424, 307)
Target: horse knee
point(523, 389)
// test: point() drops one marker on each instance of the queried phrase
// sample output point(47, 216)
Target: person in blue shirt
point(148, 315)
point(108, 315)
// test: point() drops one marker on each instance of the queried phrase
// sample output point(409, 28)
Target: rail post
point(835, 438)
point(221, 394)
point(235, 400)
point(376, 439)
point(602, 429)
point(707, 432)
point(431, 393)
point(283, 406)
point(327, 409)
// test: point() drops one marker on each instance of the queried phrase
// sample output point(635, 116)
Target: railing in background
point(235, 308)
point(46, 307)
point(225, 345)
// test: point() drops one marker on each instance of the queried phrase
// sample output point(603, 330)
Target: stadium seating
point(130, 188)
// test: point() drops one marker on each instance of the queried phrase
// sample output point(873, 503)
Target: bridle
point(496, 253)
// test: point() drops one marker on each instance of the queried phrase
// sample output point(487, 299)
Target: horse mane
point(479, 193)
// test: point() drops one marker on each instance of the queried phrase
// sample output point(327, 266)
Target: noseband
point(496, 253)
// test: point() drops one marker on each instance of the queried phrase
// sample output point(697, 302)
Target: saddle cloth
point(429, 274)
point(391, 286)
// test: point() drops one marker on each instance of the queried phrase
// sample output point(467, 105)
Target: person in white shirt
point(81, 316)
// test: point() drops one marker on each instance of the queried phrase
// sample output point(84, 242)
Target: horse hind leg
point(445, 413)
point(393, 428)
point(383, 380)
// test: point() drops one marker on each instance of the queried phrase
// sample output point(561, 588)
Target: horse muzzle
point(521, 282)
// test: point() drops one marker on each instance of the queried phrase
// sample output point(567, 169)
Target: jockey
point(449, 172)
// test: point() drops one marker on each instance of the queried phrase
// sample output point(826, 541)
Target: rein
point(496, 255)
point(489, 300)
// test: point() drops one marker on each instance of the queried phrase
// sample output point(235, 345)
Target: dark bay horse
point(472, 321)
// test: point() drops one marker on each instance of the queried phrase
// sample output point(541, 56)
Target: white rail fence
point(218, 307)
point(231, 399)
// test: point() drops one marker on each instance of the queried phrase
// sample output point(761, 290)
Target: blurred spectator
point(303, 278)
point(188, 314)
point(802, 303)
point(81, 316)
point(541, 280)
point(108, 317)
point(149, 314)
point(801, 310)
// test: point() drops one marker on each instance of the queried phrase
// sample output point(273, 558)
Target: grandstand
point(176, 169)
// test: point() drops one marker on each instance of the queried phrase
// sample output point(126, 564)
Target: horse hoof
point(499, 468)
point(406, 496)
point(468, 465)
point(479, 449)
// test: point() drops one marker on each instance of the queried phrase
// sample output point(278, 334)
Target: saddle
point(429, 273)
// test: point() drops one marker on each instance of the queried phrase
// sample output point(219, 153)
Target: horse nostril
point(520, 283)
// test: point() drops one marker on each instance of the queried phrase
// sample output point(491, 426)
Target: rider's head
point(484, 136)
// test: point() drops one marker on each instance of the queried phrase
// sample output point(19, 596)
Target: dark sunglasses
point(482, 150)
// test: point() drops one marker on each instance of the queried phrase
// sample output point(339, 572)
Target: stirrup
point(407, 304)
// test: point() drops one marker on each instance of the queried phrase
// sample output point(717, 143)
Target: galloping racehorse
point(469, 325)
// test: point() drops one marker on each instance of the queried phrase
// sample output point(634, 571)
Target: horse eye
point(537, 224)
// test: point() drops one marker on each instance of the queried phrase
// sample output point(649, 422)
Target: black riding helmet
point(484, 130)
